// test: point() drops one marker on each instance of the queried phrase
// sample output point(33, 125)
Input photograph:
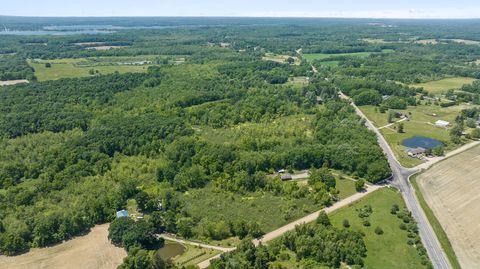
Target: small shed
point(416, 152)
point(442, 123)
point(122, 214)
point(286, 177)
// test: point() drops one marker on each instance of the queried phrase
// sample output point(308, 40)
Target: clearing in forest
point(92, 251)
point(451, 189)
point(443, 85)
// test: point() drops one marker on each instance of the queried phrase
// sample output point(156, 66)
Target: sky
point(246, 8)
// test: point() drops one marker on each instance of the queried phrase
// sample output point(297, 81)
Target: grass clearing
point(436, 226)
point(71, 68)
point(321, 56)
point(389, 250)
point(279, 58)
point(450, 188)
point(443, 85)
point(265, 208)
point(193, 255)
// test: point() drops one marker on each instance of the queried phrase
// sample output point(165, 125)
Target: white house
point(442, 123)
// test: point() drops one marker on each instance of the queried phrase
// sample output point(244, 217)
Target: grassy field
point(421, 124)
point(264, 208)
point(443, 85)
point(389, 250)
point(330, 63)
point(346, 187)
point(193, 255)
point(436, 226)
point(321, 56)
point(71, 68)
point(450, 188)
point(279, 58)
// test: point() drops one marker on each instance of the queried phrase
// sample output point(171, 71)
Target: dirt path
point(312, 217)
point(13, 82)
point(92, 251)
point(393, 123)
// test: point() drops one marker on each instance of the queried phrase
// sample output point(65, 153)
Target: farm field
point(90, 251)
point(451, 189)
point(193, 255)
point(389, 250)
point(70, 70)
point(443, 85)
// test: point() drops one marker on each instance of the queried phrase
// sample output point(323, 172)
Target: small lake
point(422, 142)
point(171, 250)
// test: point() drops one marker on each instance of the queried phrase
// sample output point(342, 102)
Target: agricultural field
point(443, 85)
point(93, 250)
point(390, 249)
point(450, 188)
point(74, 68)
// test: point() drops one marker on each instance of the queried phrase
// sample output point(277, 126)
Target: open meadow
point(390, 249)
point(443, 85)
point(451, 189)
point(91, 251)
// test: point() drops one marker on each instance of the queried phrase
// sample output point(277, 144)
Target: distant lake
point(87, 29)
point(422, 142)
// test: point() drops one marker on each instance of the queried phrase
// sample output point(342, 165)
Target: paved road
point(309, 218)
point(400, 180)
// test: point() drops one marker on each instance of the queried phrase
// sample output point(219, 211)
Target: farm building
point(286, 177)
point(417, 152)
point(122, 214)
point(442, 123)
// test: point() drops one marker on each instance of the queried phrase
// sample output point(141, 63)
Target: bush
point(378, 230)
point(366, 222)
point(346, 223)
point(360, 185)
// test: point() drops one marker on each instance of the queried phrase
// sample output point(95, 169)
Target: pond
point(422, 142)
point(171, 250)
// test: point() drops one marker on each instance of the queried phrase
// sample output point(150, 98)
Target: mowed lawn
point(443, 85)
point(389, 250)
point(69, 69)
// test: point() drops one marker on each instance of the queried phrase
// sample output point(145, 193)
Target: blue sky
point(271, 8)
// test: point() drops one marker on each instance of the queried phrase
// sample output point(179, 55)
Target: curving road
point(400, 180)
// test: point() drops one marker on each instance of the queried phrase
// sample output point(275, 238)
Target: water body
point(422, 142)
point(171, 250)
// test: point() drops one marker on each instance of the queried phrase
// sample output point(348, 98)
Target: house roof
point(286, 177)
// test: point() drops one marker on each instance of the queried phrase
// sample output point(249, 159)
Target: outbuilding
point(442, 123)
point(286, 177)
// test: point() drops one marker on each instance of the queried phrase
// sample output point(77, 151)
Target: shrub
point(378, 230)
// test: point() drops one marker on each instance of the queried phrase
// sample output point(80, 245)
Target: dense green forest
point(220, 122)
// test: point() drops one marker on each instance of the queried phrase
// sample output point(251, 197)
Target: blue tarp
point(122, 213)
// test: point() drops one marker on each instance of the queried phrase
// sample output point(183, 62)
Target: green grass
point(321, 56)
point(330, 63)
point(346, 187)
point(421, 124)
point(264, 208)
point(69, 68)
point(194, 255)
point(437, 227)
point(279, 58)
point(443, 85)
point(389, 250)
